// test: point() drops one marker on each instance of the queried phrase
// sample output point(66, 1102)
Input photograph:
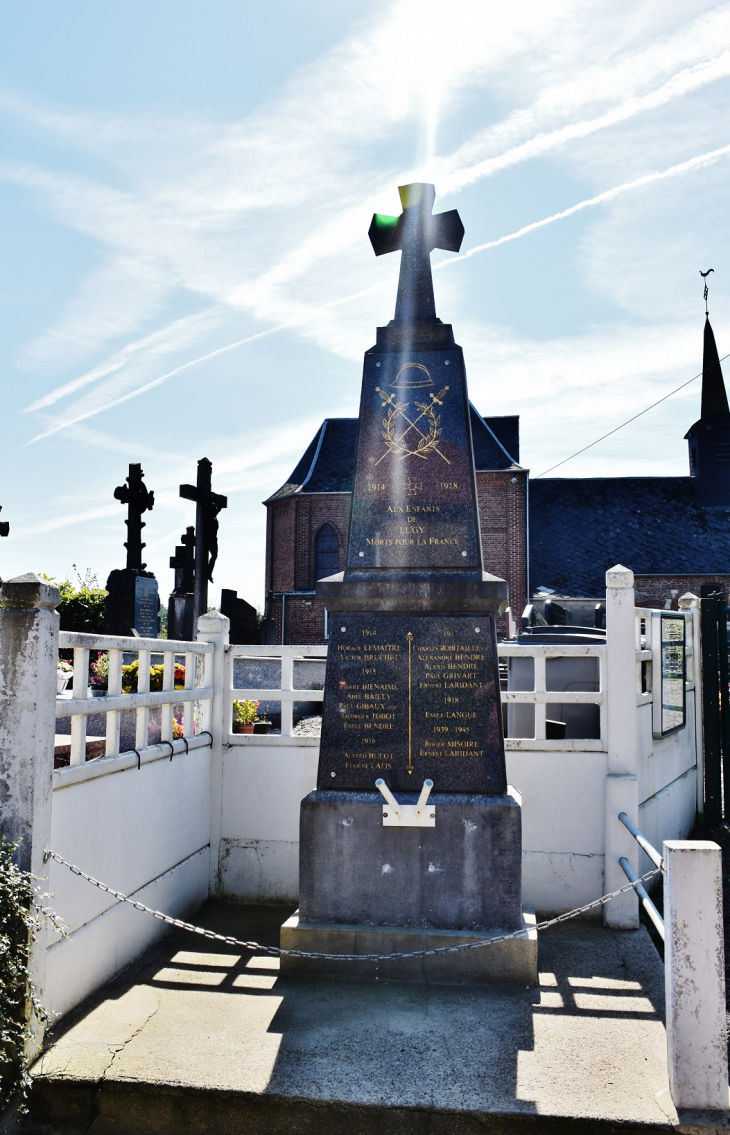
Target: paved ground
point(213, 1040)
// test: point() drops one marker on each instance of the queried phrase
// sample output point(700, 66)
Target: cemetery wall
point(654, 590)
point(144, 831)
point(563, 817)
point(262, 790)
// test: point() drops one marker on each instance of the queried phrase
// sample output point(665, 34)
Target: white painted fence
point(217, 813)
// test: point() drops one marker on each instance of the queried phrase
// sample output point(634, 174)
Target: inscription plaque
point(669, 674)
point(146, 607)
point(414, 498)
point(410, 697)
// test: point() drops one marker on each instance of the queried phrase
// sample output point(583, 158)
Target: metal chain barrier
point(276, 952)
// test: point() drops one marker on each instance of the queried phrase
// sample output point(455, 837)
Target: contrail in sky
point(608, 195)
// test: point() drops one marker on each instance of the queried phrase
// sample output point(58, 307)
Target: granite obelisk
point(412, 701)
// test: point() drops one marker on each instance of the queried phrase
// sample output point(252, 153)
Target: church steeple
point(714, 396)
point(709, 437)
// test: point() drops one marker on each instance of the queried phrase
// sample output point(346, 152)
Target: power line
point(626, 423)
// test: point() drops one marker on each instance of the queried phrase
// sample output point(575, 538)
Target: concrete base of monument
point(464, 873)
point(512, 962)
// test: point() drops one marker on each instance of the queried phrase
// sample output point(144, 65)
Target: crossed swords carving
point(436, 400)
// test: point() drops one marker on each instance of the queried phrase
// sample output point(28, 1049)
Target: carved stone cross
point(183, 563)
point(416, 232)
point(209, 504)
point(139, 499)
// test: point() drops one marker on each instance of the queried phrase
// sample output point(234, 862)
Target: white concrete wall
point(263, 786)
point(563, 814)
point(144, 832)
point(562, 825)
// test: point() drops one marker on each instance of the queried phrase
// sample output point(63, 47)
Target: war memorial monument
point(412, 840)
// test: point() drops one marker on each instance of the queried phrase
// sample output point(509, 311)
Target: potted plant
point(244, 715)
point(99, 675)
point(64, 670)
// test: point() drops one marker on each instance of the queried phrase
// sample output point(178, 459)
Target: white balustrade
point(285, 693)
point(79, 705)
point(541, 694)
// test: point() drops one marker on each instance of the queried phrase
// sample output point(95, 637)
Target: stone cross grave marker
point(132, 604)
point(180, 605)
point(139, 499)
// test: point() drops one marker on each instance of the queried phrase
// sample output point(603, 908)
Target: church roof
point(328, 463)
point(581, 527)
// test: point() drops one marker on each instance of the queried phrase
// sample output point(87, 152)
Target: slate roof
point(581, 527)
point(328, 463)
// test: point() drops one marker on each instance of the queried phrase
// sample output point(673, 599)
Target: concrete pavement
point(204, 1037)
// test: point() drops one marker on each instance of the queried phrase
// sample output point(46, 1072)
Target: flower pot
point(62, 680)
point(261, 725)
point(239, 727)
point(99, 691)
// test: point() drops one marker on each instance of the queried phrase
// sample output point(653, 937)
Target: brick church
point(557, 534)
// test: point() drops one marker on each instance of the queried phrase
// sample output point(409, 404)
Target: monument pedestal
point(370, 888)
point(464, 873)
point(513, 962)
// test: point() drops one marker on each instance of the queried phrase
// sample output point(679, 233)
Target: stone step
point(143, 1109)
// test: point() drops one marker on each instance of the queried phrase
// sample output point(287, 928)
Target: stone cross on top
point(139, 499)
point(416, 232)
point(208, 505)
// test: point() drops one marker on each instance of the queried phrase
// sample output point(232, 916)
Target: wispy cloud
point(698, 162)
point(258, 226)
point(272, 291)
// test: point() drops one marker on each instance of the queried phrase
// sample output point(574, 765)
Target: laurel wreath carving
point(426, 441)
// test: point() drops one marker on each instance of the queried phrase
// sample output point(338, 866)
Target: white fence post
point(622, 793)
point(28, 665)
point(694, 975)
point(214, 627)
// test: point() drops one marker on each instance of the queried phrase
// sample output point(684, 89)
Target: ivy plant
point(22, 915)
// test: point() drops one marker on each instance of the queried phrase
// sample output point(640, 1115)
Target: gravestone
point(180, 621)
point(132, 605)
point(412, 682)
point(208, 505)
point(244, 629)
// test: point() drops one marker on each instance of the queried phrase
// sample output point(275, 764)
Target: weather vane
point(704, 276)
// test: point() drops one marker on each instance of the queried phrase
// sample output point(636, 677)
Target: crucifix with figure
point(208, 505)
point(138, 498)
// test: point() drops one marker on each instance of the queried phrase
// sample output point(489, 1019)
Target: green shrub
point(82, 604)
point(21, 917)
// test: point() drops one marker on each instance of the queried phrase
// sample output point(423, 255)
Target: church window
point(326, 552)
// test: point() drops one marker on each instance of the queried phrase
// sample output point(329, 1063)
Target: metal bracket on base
point(420, 815)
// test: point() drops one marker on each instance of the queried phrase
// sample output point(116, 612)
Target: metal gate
point(715, 708)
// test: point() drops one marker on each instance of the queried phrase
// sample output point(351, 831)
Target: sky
point(185, 195)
